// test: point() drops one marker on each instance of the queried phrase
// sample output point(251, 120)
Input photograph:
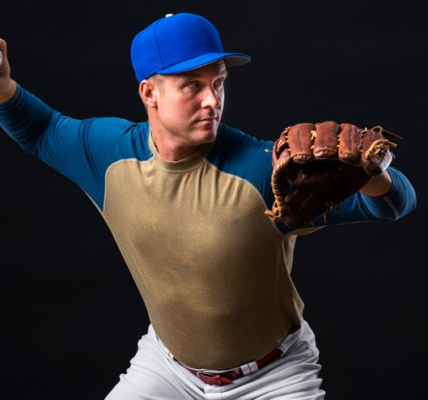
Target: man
point(185, 198)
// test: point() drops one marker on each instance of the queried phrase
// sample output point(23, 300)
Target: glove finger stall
point(300, 142)
point(349, 144)
point(326, 139)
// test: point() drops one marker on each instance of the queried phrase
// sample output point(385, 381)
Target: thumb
point(3, 51)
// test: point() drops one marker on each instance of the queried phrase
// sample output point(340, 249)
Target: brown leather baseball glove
point(316, 167)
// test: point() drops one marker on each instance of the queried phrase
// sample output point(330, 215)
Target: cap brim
point(230, 60)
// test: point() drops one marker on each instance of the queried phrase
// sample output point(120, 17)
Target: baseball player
point(185, 198)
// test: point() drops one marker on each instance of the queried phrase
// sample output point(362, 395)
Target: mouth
point(207, 123)
point(208, 119)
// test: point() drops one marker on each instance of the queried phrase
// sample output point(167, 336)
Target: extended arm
point(398, 201)
point(338, 172)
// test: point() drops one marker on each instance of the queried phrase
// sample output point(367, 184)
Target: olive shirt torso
point(212, 268)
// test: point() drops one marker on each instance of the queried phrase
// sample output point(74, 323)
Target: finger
point(349, 144)
point(300, 142)
point(326, 140)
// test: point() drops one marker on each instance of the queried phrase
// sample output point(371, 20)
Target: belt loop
point(249, 368)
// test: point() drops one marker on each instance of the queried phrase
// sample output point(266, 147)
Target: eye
point(219, 83)
point(194, 85)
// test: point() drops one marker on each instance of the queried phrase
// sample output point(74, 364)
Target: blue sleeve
point(398, 202)
point(245, 156)
point(82, 150)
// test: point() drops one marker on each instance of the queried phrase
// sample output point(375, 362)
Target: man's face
point(190, 104)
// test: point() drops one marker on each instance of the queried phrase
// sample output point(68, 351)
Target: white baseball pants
point(154, 375)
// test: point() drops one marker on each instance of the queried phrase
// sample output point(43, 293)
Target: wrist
point(378, 185)
point(8, 91)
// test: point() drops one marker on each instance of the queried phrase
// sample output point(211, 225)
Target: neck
point(170, 150)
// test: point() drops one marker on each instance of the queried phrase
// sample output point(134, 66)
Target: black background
point(71, 314)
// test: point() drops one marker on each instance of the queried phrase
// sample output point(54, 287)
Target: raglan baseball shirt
point(212, 268)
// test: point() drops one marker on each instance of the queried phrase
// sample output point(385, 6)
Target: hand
point(7, 85)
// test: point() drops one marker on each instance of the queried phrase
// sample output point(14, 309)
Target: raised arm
point(82, 150)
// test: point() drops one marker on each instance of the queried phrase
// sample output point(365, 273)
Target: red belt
point(227, 377)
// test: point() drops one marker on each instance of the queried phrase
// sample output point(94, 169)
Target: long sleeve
point(82, 150)
point(398, 202)
point(25, 118)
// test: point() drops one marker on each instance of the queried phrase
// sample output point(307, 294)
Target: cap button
point(168, 15)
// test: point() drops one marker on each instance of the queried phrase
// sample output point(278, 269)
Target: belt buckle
point(213, 379)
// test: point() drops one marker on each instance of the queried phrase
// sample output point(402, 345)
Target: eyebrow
point(193, 75)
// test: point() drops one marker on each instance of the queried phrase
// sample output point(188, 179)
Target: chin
point(208, 137)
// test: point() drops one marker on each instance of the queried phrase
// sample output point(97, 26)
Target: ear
point(148, 93)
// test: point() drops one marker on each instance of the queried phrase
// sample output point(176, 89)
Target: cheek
point(179, 106)
point(176, 114)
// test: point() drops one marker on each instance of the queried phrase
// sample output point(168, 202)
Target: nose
point(211, 98)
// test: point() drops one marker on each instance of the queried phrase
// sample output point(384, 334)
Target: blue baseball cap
point(179, 43)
